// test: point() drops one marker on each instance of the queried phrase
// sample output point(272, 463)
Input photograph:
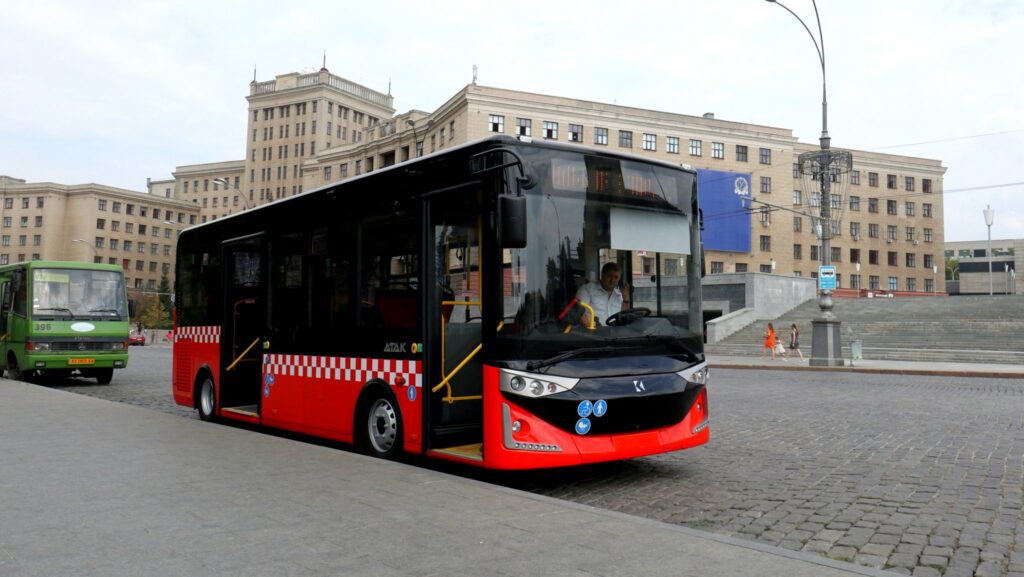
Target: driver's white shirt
point(604, 303)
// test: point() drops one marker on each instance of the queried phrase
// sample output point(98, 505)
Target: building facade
point(92, 222)
point(308, 130)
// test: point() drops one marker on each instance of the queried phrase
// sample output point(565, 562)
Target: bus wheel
point(383, 426)
point(15, 373)
point(207, 399)
point(104, 376)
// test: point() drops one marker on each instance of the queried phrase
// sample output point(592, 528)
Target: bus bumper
point(83, 362)
point(518, 439)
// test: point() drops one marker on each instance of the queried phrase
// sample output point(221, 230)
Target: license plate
point(81, 361)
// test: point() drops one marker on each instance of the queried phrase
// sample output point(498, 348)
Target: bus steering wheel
point(628, 315)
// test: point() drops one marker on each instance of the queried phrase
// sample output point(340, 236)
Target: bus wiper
point(537, 365)
point(61, 309)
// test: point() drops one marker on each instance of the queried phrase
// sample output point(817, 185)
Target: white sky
point(115, 92)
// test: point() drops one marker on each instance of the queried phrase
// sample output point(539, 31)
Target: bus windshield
point(78, 294)
point(584, 212)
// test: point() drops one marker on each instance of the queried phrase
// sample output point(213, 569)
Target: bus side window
point(20, 294)
point(5, 304)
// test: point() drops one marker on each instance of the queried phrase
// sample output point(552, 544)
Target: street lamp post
point(88, 244)
point(935, 272)
point(823, 167)
point(990, 217)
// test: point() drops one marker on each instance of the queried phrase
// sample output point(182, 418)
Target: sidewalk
point(96, 488)
point(872, 366)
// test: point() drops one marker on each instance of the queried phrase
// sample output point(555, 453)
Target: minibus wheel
point(381, 424)
point(207, 399)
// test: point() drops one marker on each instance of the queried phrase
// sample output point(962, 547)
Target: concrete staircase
point(974, 329)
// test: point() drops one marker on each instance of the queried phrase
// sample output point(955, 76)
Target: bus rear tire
point(207, 399)
point(381, 424)
point(104, 376)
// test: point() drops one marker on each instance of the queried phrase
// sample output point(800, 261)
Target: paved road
point(920, 475)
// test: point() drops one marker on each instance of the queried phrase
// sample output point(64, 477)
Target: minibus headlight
point(536, 387)
point(39, 347)
point(517, 383)
point(530, 385)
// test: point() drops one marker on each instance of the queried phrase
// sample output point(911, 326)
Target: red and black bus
point(430, 308)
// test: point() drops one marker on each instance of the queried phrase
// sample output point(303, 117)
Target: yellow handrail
point(456, 370)
point(245, 352)
point(590, 326)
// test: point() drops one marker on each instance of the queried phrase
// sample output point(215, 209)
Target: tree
point(952, 269)
point(165, 300)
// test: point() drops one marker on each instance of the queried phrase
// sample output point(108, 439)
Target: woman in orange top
point(769, 339)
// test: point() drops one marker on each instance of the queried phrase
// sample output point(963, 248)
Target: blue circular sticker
point(583, 426)
point(411, 393)
point(268, 379)
point(266, 390)
point(584, 409)
point(600, 408)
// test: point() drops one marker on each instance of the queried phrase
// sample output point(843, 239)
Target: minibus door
point(244, 321)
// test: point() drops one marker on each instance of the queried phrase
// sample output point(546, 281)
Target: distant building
point(967, 263)
point(93, 222)
point(308, 130)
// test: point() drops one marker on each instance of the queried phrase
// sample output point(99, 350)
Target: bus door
point(454, 325)
point(244, 321)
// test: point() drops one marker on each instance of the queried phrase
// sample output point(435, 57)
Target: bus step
point(474, 452)
point(247, 410)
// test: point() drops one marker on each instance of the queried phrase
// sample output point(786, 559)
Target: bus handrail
point(455, 371)
point(241, 356)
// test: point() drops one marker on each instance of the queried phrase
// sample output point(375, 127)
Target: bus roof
point(33, 264)
point(500, 138)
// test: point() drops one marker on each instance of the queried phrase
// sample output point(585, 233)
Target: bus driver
point(607, 296)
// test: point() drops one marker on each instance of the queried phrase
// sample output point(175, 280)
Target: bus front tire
point(15, 373)
point(207, 399)
point(381, 424)
point(104, 376)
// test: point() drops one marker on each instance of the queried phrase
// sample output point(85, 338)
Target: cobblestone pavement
point(919, 475)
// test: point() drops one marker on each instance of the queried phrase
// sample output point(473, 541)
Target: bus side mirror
point(512, 220)
point(131, 308)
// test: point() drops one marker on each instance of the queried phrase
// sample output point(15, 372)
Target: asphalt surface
point(914, 469)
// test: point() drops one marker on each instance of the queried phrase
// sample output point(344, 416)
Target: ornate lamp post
point(990, 217)
point(827, 170)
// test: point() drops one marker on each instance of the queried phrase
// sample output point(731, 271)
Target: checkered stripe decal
point(346, 369)
point(203, 335)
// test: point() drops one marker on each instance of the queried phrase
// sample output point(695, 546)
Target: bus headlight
point(699, 374)
point(34, 347)
point(533, 385)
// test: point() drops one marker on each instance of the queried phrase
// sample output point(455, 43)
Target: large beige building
point(308, 130)
point(92, 222)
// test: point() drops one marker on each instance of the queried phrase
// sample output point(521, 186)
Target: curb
point(877, 371)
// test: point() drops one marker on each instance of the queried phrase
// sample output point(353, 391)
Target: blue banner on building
point(726, 213)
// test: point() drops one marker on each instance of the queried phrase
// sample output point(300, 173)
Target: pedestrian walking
point(769, 340)
point(794, 341)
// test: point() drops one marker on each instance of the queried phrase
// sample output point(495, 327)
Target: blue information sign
point(827, 277)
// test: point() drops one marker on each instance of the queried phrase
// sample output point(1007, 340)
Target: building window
point(24, 202)
point(798, 198)
point(575, 133)
point(327, 173)
point(872, 257)
point(798, 223)
point(855, 203)
point(854, 255)
point(766, 184)
point(908, 183)
point(550, 130)
point(873, 205)
point(717, 267)
point(625, 139)
point(524, 126)
point(926, 185)
point(766, 216)
point(927, 235)
point(39, 222)
point(741, 153)
point(855, 177)
point(855, 230)
point(911, 233)
point(929, 261)
point(797, 252)
point(892, 258)
point(908, 208)
point(718, 150)
point(873, 282)
point(672, 144)
point(741, 267)
point(650, 142)
point(100, 223)
point(814, 252)
point(873, 179)
point(601, 136)
point(890, 233)
point(116, 207)
point(929, 285)
point(926, 209)
point(837, 254)
point(766, 242)
point(695, 147)
point(765, 156)
point(890, 207)
point(890, 181)
point(855, 281)
point(893, 283)
point(766, 268)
